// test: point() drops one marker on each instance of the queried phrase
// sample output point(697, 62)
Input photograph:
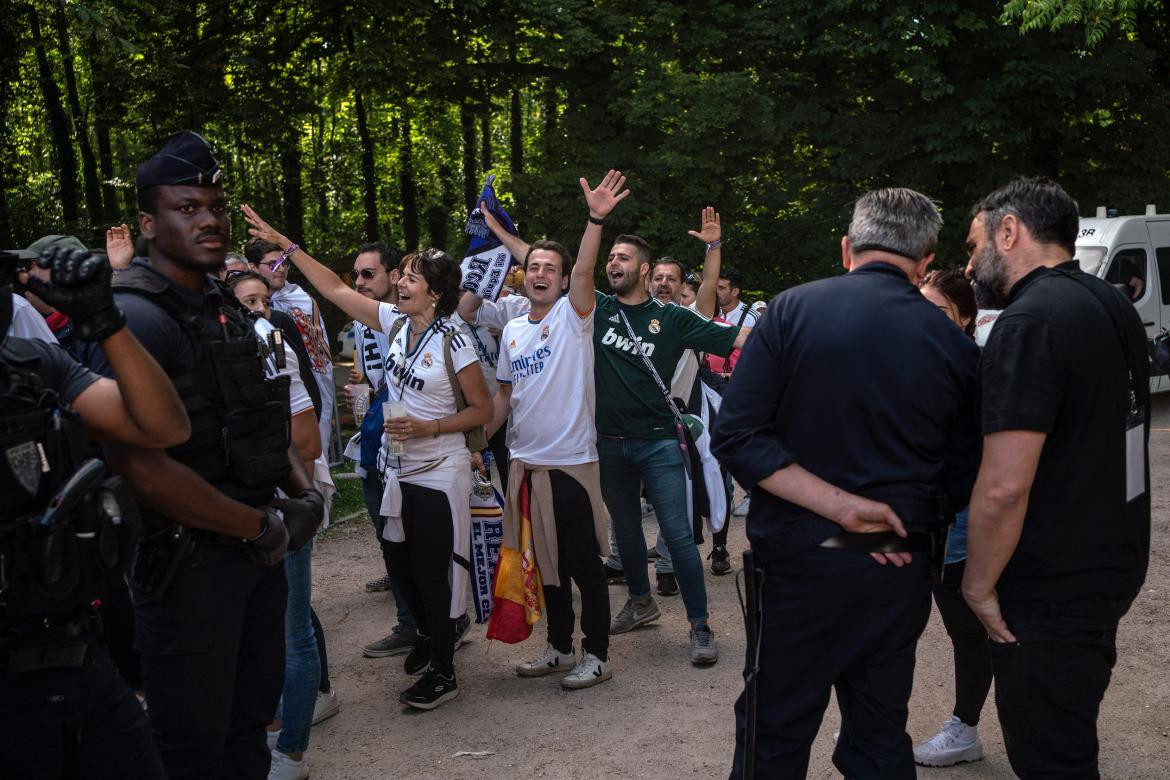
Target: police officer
point(848, 412)
point(208, 594)
point(64, 528)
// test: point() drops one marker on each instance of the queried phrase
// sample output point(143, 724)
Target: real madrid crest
point(654, 327)
point(544, 333)
point(427, 360)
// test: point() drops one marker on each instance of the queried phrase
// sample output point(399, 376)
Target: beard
point(990, 279)
point(625, 284)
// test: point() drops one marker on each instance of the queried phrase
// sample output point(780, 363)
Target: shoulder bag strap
point(650, 366)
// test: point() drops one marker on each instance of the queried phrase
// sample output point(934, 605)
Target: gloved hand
point(269, 545)
point(80, 288)
point(302, 516)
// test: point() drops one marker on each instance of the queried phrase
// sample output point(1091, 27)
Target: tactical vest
point(65, 526)
point(240, 420)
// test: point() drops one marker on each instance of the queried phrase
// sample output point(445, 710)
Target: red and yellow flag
point(518, 595)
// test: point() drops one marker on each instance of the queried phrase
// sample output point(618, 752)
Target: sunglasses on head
point(365, 273)
point(233, 274)
point(693, 278)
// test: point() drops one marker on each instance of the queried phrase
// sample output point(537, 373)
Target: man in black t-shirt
point(1059, 527)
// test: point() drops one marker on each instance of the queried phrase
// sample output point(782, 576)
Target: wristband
point(713, 245)
point(285, 255)
point(438, 428)
point(596, 220)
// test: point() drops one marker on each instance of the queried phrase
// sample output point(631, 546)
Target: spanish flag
point(518, 595)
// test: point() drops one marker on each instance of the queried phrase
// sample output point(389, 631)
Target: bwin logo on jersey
point(612, 339)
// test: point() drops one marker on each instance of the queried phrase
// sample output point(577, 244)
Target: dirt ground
point(660, 717)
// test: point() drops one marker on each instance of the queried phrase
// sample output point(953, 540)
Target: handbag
point(680, 428)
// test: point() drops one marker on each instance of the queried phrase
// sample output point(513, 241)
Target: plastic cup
point(390, 410)
point(361, 401)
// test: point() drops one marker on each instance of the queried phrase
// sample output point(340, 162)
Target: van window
point(1163, 254)
point(1128, 270)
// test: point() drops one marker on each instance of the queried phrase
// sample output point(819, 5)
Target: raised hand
point(608, 194)
point(709, 227)
point(119, 246)
point(490, 220)
point(258, 228)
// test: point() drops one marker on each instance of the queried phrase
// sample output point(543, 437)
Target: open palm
point(709, 227)
point(608, 194)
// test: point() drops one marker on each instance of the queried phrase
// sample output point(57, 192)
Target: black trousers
point(1049, 686)
point(213, 663)
point(578, 560)
point(421, 567)
point(972, 648)
point(499, 448)
point(836, 619)
point(70, 724)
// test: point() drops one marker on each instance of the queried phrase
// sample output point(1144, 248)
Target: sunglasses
point(233, 274)
point(365, 273)
point(693, 279)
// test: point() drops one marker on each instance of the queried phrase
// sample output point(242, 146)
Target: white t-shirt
point(486, 347)
point(550, 367)
point(687, 370)
point(298, 396)
point(419, 379)
point(27, 322)
point(370, 347)
point(497, 314)
point(984, 320)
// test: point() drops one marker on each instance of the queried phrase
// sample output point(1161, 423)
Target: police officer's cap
point(185, 159)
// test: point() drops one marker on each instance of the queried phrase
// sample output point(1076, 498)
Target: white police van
point(1133, 252)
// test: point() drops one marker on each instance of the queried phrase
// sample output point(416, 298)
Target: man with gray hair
point(850, 417)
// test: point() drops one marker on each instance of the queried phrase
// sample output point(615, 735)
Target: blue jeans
point(626, 465)
point(302, 664)
point(372, 493)
point(663, 565)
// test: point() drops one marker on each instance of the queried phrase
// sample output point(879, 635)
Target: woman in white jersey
point(428, 521)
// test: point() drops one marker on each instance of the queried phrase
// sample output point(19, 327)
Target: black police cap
point(185, 159)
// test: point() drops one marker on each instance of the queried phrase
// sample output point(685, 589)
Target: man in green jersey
point(637, 438)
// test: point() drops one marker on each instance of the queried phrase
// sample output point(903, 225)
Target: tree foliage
point(357, 119)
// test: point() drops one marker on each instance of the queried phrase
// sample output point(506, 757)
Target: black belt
point(883, 541)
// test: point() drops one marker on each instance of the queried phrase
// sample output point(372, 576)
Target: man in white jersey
point(272, 263)
point(554, 478)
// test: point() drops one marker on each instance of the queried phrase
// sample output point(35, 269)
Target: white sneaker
point(328, 705)
point(590, 671)
point(553, 660)
point(272, 737)
point(741, 509)
point(284, 768)
point(647, 508)
point(956, 743)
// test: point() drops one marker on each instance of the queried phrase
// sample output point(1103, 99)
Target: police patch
point(654, 326)
point(25, 464)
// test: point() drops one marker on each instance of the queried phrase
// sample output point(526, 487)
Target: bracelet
point(713, 245)
point(438, 428)
point(292, 250)
point(596, 221)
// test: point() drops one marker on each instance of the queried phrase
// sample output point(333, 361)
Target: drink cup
point(390, 410)
point(359, 400)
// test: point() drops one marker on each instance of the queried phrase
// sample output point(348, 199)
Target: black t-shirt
point(1054, 364)
point(59, 371)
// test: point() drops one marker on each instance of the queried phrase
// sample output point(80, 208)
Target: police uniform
point(208, 617)
point(865, 384)
point(64, 710)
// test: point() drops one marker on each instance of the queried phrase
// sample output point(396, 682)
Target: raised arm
point(514, 244)
point(325, 281)
point(601, 201)
point(710, 232)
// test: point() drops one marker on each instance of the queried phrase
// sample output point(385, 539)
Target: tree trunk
point(550, 114)
point(485, 133)
point(58, 124)
point(291, 191)
point(93, 197)
point(406, 184)
point(470, 181)
point(369, 184)
point(106, 162)
point(517, 135)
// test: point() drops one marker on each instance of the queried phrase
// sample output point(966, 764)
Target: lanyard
point(418, 350)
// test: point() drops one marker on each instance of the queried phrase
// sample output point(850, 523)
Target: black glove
point(80, 288)
point(302, 516)
point(269, 545)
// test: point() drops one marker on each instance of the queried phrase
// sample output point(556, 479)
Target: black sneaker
point(614, 576)
point(720, 560)
point(420, 656)
point(462, 626)
point(431, 690)
point(667, 584)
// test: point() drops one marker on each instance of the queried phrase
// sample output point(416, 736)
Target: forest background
point(349, 121)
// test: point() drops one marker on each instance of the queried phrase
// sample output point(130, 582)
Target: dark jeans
point(372, 493)
point(65, 724)
point(578, 559)
point(971, 646)
point(499, 451)
point(423, 564)
point(213, 663)
point(1049, 686)
point(326, 685)
point(836, 619)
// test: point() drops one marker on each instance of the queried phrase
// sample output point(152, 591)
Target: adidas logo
point(614, 318)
